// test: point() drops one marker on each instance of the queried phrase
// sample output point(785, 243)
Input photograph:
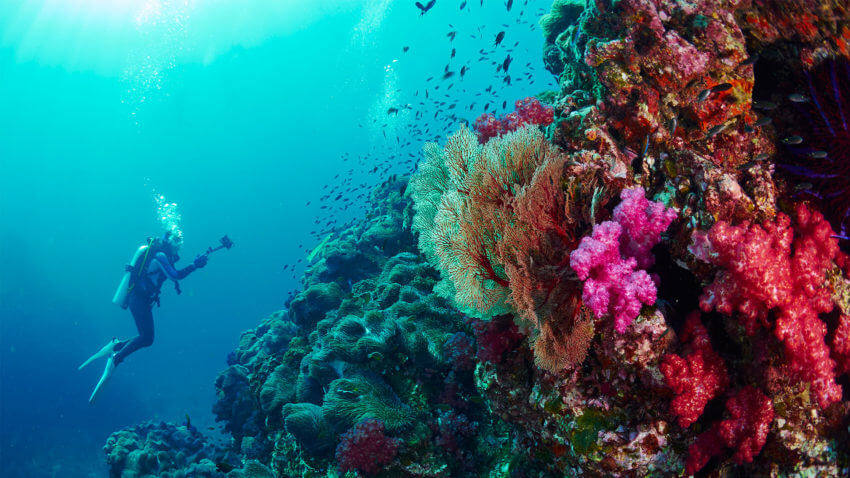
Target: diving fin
point(107, 373)
point(106, 350)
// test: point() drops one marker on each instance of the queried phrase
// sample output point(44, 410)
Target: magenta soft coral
point(608, 260)
point(528, 111)
point(777, 266)
point(751, 413)
point(696, 378)
point(365, 448)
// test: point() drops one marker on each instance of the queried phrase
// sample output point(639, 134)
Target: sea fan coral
point(822, 158)
point(365, 448)
point(499, 221)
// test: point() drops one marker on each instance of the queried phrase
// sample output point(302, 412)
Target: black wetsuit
point(142, 296)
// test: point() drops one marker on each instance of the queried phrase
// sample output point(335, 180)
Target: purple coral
point(607, 260)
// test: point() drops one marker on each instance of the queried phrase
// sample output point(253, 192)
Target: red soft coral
point(696, 378)
point(528, 111)
point(841, 344)
point(751, 413)
point(777, 266)
point(495, 338)
point(365, 448)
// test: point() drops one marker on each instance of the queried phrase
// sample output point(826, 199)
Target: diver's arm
point(172, 273)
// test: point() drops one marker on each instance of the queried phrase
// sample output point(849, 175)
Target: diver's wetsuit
point(141, 298)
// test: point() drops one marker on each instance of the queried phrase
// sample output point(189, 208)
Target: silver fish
point(793, 140)
point(817, 154)
point(714, 130)
point(764, 105)
point(763, 121)
point(798, 98)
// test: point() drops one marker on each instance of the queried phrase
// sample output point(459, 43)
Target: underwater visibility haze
point(444, 238)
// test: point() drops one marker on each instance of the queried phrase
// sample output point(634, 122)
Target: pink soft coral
point(696, 378)
point(642, 221)
point(607, 260)
point(528, 111)
point(776, 266)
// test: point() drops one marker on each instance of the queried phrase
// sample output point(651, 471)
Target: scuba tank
point(139, 258)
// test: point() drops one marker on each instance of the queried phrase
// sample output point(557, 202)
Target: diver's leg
point(143, 315)
point(113, 346)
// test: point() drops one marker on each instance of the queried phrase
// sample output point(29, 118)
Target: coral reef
point(629, 280)
point(366, 358)
point(164, 450)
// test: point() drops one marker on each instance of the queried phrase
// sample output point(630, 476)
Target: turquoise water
point(240, 112)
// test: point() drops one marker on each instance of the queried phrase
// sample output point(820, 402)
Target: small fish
point(405, 49)
point(817, 154)
point(804, 186)
point(499, 37)
point(721, 87)
point(703, 95)
point(671, 125)
point(463, 4)
point(451, 35)
point(761, 157)
point(798, 98)
point(509, 4)
point(463, 71)
point(424, 8)
point(764, 105)
point(448, 74)
point(454, 52)
point(763, 121)
point(793, 140)
point(392, 111)
point(506, 63)
point(715, 129)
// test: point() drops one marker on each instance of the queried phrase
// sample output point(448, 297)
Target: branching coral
point(775, 266)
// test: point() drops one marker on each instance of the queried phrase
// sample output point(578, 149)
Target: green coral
point(352, 400)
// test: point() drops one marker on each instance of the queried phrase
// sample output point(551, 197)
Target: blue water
point(241, 112)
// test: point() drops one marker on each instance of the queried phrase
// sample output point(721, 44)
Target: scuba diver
point(151, 266)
